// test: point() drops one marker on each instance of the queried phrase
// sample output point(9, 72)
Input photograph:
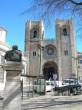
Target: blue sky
point(12, 20)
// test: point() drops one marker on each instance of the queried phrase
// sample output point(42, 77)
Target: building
point(79, 65)
point(3, 45)
point(53, 59)
point(3, 48)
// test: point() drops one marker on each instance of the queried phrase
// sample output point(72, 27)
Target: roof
point(2, 28)
point(4, 44)
point(79, 52)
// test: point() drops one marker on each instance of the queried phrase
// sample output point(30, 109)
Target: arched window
point(64, 31)
point(34, 34)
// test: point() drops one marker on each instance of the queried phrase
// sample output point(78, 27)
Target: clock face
point(50, 51)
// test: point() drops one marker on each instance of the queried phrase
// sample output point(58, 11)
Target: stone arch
point(51, 46)
point(50, 70)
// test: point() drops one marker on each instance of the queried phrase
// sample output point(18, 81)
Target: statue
point(14, 54)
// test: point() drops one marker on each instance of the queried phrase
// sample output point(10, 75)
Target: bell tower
point(34, 32)
point(66, 48)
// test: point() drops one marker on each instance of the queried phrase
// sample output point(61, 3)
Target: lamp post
point(76, 58)
point(77, 69)
point(41, 49)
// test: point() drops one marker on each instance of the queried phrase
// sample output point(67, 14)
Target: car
point(58, 83)
point(49, 86)
point(80, 82)
point(70, 81)
point(73, 85)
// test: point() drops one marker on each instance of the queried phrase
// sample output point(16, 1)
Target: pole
point(76, 64)
point(77, 67)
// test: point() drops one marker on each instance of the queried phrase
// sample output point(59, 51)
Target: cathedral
point(52, 59)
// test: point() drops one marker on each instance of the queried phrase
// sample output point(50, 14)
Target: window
point(80, 61)
point(50, 51)
point(34, 53)
point(66, 52)
point(34, 34)
point(65, 32)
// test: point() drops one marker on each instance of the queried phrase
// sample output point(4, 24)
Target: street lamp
point(41, 49)
point(76, 58)
point(77, 70)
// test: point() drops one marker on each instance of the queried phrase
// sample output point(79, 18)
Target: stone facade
point(51, 58)
point(3, 48)
point(79, 65)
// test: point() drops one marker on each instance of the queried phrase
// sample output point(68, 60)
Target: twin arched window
point(34, 33)
point(64, 31)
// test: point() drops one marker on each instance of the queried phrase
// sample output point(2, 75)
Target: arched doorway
point(50, 70)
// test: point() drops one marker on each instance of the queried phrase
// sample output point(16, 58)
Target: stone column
point(12, 92)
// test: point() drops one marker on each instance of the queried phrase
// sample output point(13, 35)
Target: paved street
point(49, 102)
point(53, 103)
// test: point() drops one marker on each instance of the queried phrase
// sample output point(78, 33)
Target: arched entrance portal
point(50, 71)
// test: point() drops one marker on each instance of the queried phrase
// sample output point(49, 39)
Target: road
point(49, 102)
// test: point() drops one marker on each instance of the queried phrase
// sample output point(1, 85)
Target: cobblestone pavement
point(53, 103)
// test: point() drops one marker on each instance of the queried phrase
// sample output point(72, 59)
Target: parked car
point(58, 83)
point(73, 85)
point(70, 81)
point(49, 86)
point(80, 82)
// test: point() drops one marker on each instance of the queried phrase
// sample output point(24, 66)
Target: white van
point(49, 86)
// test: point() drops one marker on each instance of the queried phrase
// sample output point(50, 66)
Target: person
point(54, 76)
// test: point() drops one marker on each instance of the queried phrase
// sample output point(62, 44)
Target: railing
point(33, 87)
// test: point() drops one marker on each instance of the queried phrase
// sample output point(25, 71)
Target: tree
point(50, 7)
point(46, 9)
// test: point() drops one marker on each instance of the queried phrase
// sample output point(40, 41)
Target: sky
point(14, 22)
